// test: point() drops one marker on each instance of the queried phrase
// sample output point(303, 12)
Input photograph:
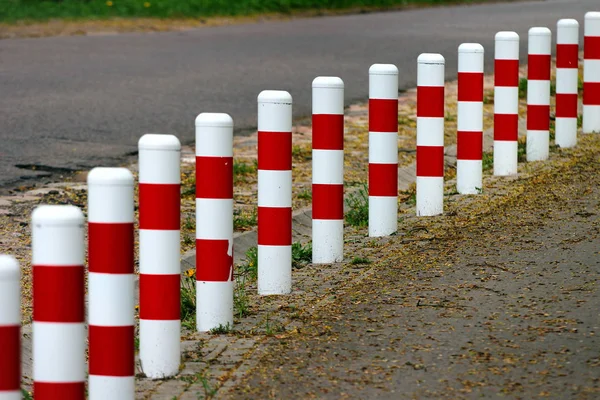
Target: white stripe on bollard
point(506, 103)
point(430, 134)
point(327, 170)
point(469, 143)
point(591, 73)
point(567, 72)
point(58, 302)
point(214, 221)
point(274, 192)
point(10, 328)
point(159, 210)
point(110, 284)
point(383, 149)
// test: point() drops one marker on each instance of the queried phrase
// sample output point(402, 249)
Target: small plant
point(305, 195)
point(241, 170)
point(358, 204)
point(209, 391)
point(272, 328)
point(188, 240)
point(244, 273)
point(189, 223)
point(579, 121)
point(250, 267)
point(479, 190)
point(26, 395)
point(301, 255)
point(243, 221)
point(522, 88)
point(409, 196)
point(222, 329)
point(359, 261)
point(488, 97)
point(552, 88)
point(301, 153)
point(521, 151)
point(487, 161)
point(450, 118)
point(188, 299)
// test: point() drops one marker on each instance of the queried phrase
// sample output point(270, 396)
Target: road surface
point(69, 103)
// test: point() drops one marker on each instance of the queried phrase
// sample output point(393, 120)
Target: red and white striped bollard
point(538, 94)
point(469, 142)
point(214, 221)
point(567, 73)
point(506, 103)
point(58, 303)
point(274, 192)
point(383, 149)
point(160, 270)
point(10, 328)
point(591, 73)
point(327, 170)
point(110, 284)
point(430, 134)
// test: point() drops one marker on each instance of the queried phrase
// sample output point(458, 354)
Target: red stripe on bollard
point(323, 205)
point(213, 264)
point(470, 86)
point(59, 293)
point(116, 236)
point(430, 101)
point(591, 47)
point(506, 127)
point(159, 206)
point(59, 390)
point(383, 179)
point(383, 115)
point(567, 55)
point(215, 180)
point(278, 230)
point(275, 151)
point(328, 131)
point(111, 350)
point(591, 93)
point(538, 67)
point(566, 105)
point(159, 300)
point(506, 73)
point(10, 361)
point(538, 117)
point(469, 145)
point(432, 161)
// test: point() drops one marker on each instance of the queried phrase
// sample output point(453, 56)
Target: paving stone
point(169, 389)
point(192, 368)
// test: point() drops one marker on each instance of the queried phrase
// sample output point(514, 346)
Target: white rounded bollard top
point(215, 120)
point(592, 15)
point(110, 177)
point(539, 31)
point(328, 82)
point(57, 215)
point(507, 35)
point(383, 69)
point(9, 268)
point(470, 48)
point(154, 141)
point(567, 23)
point(275, 96)
point(431, 58)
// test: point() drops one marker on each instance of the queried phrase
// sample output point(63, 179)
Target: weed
point(450, 118)
point(580, 85)
point(241, 170)
point(360, 260)
point(301, 153)
point(522, 88)
point(479, 190)
point(209, 391)
point(272, 328)
point(301, 255)
point(552, 130)
point(188, 240)
point(409, 196)
point(552, 88)
point(358, 202)
point(305, 195)
point(188, 299)
point(487, 160)
point(249, 268)
point(26, 395)
point(136, 343)
point(521, 151)
point(222, 329)
point(247, 271)
point(243, 220)
point(579, 121)
point(488, 97)
point(189, 223)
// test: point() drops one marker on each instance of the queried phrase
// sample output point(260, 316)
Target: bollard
point(567, 74)
point(110, 284)
point(10, 328)
point(469, 141)
point(538, 94)
point(274, 192)
point(159, 209)
point(430, 134)
point(591, 73)
point(383, 149)
point(58, 303)
point(214, 221)
point(327, 170)
point(506, 103)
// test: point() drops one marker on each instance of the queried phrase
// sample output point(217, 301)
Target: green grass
point(243, 221)
point(487, 160)
point(522, 88)
point(188, 299)
point(358, 204)
point(41, 10)
point(301, 255)
point(360, 260)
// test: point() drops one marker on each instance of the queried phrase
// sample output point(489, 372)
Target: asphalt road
point(69, 103)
